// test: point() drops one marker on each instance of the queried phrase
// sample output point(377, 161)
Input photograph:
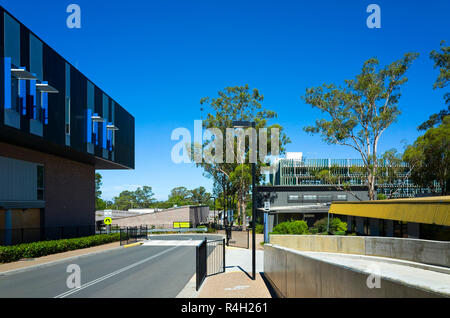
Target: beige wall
point(422, 251)
point(297, 276)
point(157, 218)
point(194, 215)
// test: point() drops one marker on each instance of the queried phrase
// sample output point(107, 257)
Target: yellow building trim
point(429, 210)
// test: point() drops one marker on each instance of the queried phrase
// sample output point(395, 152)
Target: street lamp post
point(246, 124)
point(214, 212)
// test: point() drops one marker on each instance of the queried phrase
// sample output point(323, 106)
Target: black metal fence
point(30, 235)
point(210, 259)
point(129, 235)
point(216, 257)
point(201, 263)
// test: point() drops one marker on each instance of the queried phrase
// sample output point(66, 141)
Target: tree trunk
point(371, 185)
point(239, 208)
point(244, 217)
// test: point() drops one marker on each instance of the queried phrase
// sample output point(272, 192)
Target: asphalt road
point(139, 272)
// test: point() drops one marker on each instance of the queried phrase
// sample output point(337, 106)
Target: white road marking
point(100, 279)
point(171, 243)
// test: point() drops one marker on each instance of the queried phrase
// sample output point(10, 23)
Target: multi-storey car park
point(296, 190)
point(304, 172)
point(56, 129)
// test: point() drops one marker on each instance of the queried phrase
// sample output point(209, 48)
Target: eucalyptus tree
point(361, 110)
point(442, 61)
point(238, 103)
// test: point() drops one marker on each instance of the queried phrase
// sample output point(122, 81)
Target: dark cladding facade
point(56, 129)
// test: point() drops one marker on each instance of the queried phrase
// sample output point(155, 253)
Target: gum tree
point(236, 103)
point(442, 61)
point(359, 112)
point(430, 155)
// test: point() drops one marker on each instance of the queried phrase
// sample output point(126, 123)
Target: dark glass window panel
point(40, 176)
point(12, 39)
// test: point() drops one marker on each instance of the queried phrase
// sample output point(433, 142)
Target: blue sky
point(159, 58)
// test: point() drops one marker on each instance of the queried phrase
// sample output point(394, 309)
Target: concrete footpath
point(236, 282)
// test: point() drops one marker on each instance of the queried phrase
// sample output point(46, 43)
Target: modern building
point(298, 192)
point(420, 218)
point(56, 129)
point(165, 219)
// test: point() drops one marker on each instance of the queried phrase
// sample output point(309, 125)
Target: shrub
point(259, 228)
point(38, 249)
point(336, 225)
point(321, 225)
point(292, 227)
point(313, 230)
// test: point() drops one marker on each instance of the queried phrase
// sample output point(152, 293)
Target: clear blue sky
point(158, 58)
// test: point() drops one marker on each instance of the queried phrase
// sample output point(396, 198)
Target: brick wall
point(69, 186)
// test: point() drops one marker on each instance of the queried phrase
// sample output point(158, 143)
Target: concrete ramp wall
point(415, 250)
point(295, 275)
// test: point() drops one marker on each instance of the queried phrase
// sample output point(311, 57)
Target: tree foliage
point(359, 112)
point(99, 203)
point(442, 61)
point(238, 103)
point(141, 198)
point(430, 156)
point(335, 225)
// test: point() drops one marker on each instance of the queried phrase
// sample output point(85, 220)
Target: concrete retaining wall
point(295, 275)
point(421, 251)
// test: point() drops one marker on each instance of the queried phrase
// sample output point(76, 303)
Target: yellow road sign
point(107, 221)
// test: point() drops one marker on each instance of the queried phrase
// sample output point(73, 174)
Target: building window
point(310, 197)
point(325, 198)
point(12, 39)
point(341, 197)
point(40, 182)
point(15, 100)
point(366, 226)
point(382, 225)
point(293, 197)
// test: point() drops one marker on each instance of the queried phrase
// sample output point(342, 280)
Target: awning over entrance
point(429, 210)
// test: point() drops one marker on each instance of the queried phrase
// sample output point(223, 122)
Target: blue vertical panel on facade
point(88, 125)
point(104, 135)
point(7, 82)
point(96, 131)
point(109, 139)
point(33, 99)
point(45, 107)
point(23, 96)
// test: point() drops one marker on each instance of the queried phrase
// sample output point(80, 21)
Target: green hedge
point(37, 249)
point(292, 227)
